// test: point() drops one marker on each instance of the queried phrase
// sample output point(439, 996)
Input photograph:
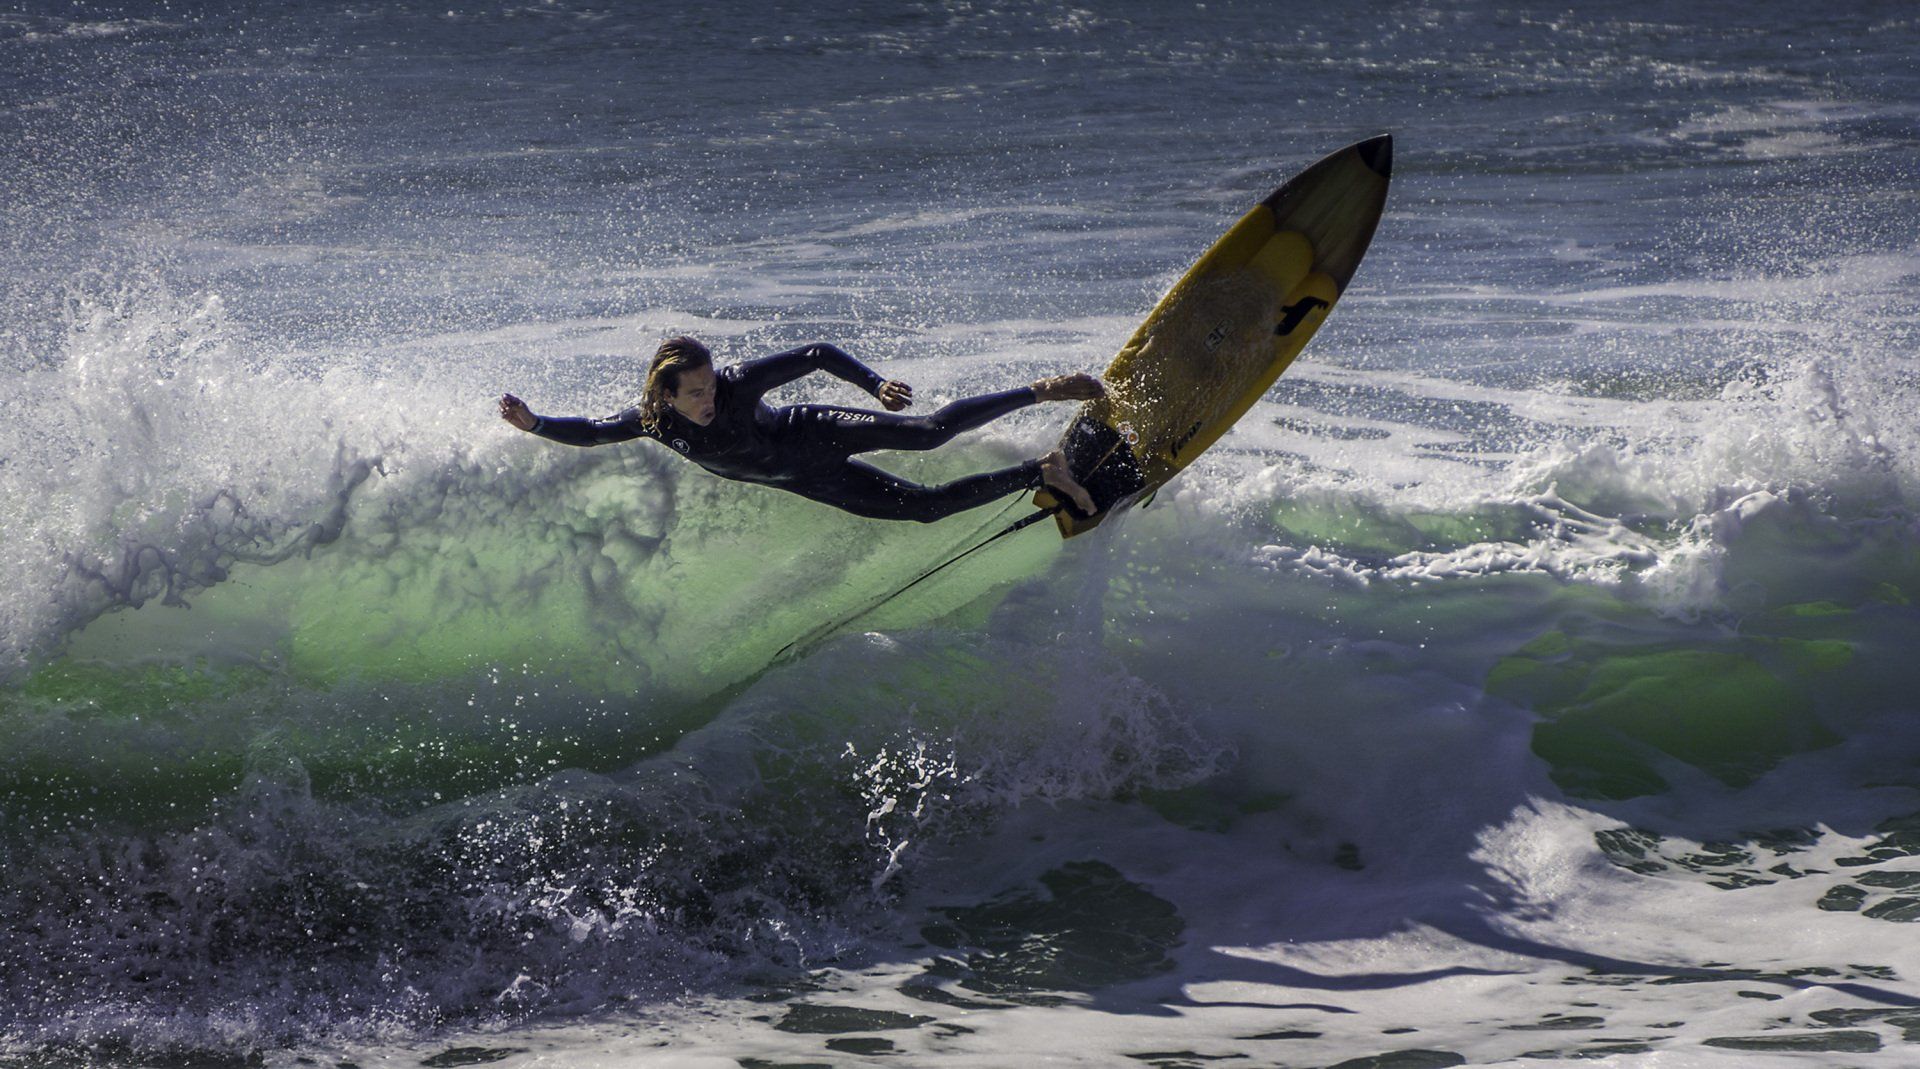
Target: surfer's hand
point(895, 394)
point(516, 412)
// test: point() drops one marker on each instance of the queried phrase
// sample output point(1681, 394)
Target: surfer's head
point(680, 378)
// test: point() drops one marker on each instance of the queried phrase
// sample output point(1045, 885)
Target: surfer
point(717, 420)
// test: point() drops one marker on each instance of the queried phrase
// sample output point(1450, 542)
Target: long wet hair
point(675, 355)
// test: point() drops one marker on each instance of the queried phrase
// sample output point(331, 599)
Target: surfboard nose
point(1377, 153)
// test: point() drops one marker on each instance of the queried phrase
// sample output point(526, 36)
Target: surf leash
point(1019, 524)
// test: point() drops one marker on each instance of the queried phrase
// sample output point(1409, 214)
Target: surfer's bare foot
point(1058, 477)
point(1078, 386)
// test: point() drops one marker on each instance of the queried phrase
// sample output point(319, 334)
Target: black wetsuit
point(808, 449)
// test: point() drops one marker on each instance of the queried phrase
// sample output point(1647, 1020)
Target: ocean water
point(1521, 681)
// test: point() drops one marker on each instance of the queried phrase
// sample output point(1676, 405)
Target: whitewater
point(1520, 681)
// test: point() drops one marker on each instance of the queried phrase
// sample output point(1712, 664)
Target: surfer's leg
point(852, 430)
point(865, 490)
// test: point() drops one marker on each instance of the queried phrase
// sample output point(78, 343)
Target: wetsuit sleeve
point(756, 377)
point(573, 430)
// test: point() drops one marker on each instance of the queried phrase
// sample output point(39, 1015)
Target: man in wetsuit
point(718, 421)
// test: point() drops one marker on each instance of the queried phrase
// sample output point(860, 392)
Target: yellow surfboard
point(1221, 336)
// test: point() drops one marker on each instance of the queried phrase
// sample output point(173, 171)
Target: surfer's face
point(695, 397)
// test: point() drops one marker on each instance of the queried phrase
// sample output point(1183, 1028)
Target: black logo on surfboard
point(1297, 311)
point(1181, 442)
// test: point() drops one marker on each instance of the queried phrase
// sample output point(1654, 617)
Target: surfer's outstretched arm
point(571, 430)
point(756, 377)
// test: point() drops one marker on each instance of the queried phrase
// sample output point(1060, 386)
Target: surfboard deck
point(1224, 333)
